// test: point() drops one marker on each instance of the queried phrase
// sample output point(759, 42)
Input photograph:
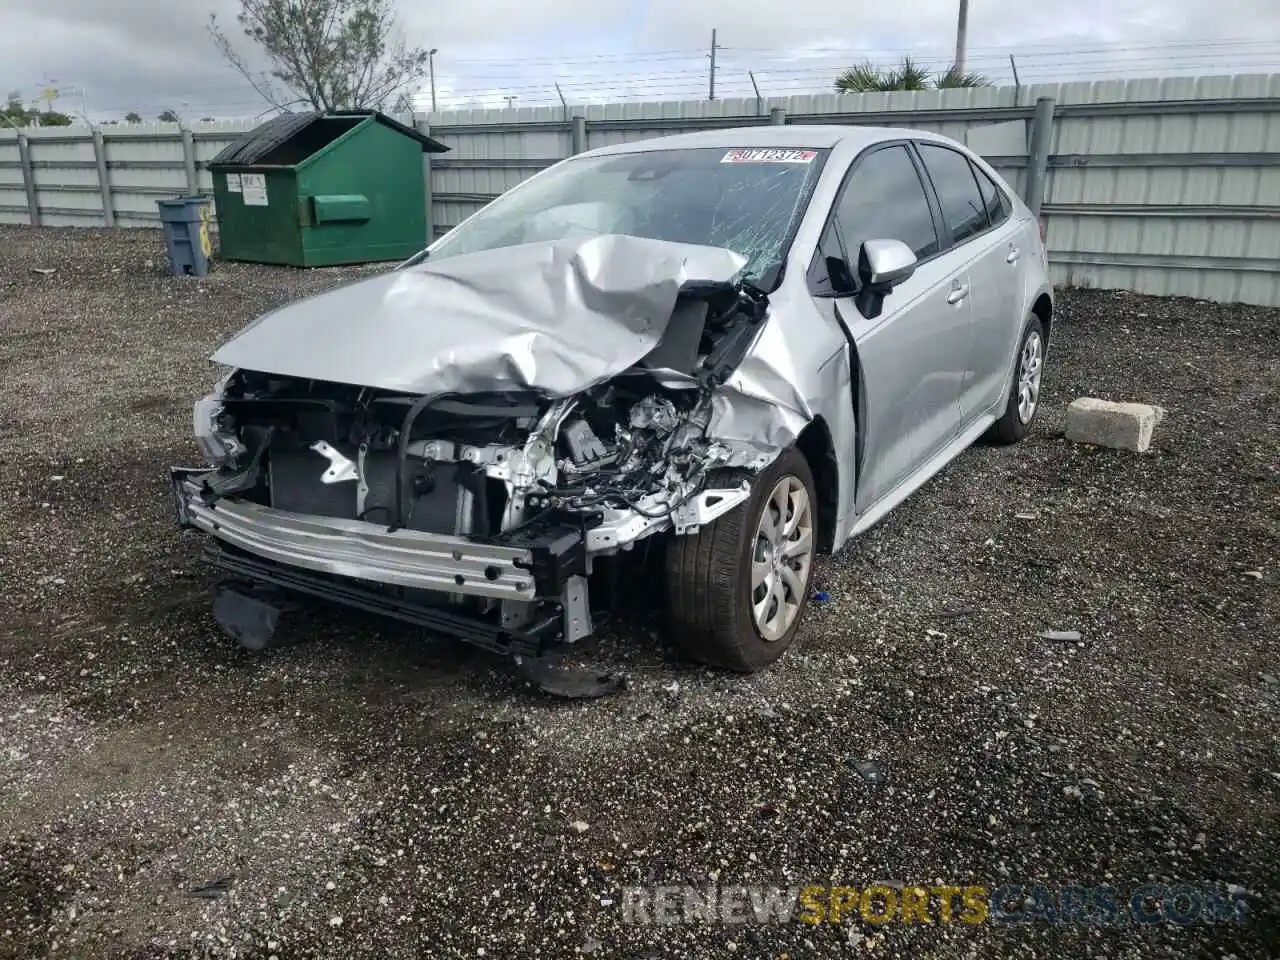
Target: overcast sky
point(152, 55)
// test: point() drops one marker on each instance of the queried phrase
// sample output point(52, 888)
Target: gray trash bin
point(185, 221)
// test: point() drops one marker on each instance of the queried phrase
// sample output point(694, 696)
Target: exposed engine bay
point(477, 465)
point(485, 463)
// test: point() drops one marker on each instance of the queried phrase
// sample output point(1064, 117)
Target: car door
point(968, 199)
point(996, 337)
point(911, 354)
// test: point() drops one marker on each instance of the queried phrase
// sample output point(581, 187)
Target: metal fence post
point(578, 134)
point(1038, 153)
point(28, 179)
point(428, 193)
point(104, 182)
point(777, 116)
point(189, 161)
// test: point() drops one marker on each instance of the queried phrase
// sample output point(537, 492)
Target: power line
point(1000, 52)
point(797, 69)
point(694, 78)
point(622, 76)
point(1019, 49)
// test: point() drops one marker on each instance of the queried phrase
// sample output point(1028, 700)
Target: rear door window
point(963, 210)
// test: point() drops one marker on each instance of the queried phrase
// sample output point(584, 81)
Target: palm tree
point(908, 75)
point(868, 78)
point(954, 78)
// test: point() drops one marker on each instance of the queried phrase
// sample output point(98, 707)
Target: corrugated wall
point(1160, 186)
point(140, 163)
point(1169, 187)
point(13, 195)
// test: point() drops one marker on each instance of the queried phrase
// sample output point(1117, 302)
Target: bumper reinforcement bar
point(536, 641)
point(366, 551)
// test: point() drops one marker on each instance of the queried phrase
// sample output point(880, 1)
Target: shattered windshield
point(747, 200)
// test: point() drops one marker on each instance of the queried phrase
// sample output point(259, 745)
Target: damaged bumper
point(365, 551)
point(523, 592)
point(368, 551)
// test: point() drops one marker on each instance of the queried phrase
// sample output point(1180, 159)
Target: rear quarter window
point(993, 198)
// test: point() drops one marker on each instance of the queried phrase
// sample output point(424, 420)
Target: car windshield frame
point(509, 207)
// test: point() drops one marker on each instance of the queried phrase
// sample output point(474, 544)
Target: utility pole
point(711, 92)
point(431, 69)
point(962, 31)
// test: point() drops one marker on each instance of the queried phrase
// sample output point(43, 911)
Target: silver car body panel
point(558, 317)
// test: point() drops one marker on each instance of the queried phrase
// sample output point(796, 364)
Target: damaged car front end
point(694, 338)
point(479, 468)
point(591, 361)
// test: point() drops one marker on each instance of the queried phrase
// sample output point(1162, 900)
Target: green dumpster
point(317, 189)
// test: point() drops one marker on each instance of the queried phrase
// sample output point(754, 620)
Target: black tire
point(1011, 427)
point(709, 579)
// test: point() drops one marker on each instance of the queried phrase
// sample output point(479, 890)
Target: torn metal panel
point(556, 317)
point(775, 391)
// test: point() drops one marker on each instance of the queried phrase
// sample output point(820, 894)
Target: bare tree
point(331, 54)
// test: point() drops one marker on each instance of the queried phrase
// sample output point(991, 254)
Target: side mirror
point(884, 264)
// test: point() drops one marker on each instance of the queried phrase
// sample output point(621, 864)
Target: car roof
point(810, 136)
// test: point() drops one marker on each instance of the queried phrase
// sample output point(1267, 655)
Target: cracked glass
point(748, 201)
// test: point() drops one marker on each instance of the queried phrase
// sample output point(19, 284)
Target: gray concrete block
point(1123, 426)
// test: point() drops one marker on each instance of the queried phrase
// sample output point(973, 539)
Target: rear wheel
point(739, 587)
point(1024, 392)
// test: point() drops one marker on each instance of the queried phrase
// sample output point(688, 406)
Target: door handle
point(1014, 253)
point(958, 293)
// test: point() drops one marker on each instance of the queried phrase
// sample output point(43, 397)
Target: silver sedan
point(750, 343)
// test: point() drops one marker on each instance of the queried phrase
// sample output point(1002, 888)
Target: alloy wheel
point(781, 558)
point(1030, 366)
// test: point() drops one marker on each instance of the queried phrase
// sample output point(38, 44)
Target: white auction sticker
point(769, 156)
point(254, 188)
point(233, 183)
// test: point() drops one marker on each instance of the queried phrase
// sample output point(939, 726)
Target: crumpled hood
point(556, 317)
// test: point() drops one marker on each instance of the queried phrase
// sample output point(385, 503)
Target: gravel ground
point(375, 793)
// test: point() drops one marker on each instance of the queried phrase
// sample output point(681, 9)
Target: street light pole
point(962, 31)
point(711, 89)
point(431, 69)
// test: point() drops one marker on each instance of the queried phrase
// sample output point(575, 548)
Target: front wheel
point(738, 588)
point(1024, 391)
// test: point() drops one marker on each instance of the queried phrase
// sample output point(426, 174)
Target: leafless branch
point(335, 54)
point(228, 52)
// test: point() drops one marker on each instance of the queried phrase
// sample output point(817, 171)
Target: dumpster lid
point(258, 144)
